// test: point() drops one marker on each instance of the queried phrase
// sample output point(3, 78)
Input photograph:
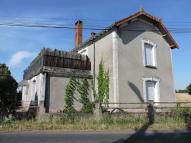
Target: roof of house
point(141, 14)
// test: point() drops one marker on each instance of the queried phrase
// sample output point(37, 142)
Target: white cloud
point(18, 57)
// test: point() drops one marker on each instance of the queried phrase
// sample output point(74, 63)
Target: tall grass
point(124, 121)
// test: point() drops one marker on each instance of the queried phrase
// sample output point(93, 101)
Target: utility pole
point(93, 41)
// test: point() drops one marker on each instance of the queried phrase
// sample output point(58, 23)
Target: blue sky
point(19, 45)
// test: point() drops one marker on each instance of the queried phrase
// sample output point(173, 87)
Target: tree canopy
point(8, 87)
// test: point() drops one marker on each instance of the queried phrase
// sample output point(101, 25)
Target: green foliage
point(68, 98)
point(181, 91)
point(103, 84)
point(181, 111)
point(106, 87)
point(83, 88)
point(4, 71)
point(8, 86)
point(189, 89)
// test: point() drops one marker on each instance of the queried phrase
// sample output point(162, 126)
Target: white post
point(115, 67)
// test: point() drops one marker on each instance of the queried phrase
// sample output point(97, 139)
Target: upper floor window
point(149, 54)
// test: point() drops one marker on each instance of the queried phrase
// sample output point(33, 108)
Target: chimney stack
point(78, 33)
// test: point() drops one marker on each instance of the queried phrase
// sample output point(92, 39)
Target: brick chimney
point(78, 33)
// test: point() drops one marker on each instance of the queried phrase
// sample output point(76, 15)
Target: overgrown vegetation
point(118, 121)
point(103, 84)
point(68, 97)
point(8, 94)
point(82, 86)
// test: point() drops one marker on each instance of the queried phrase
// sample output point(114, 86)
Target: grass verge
point(107, 122)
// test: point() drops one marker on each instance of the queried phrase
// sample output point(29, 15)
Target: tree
point(8, 94)
point(189, 89)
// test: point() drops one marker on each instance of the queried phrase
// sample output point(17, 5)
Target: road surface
point(96, 137)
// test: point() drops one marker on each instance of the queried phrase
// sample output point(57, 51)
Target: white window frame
point(153, 52)
point(83, 51)
point(157, 91)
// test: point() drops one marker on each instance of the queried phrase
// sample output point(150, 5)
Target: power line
point(85, 19)
point(136, 29)
point(44, 26)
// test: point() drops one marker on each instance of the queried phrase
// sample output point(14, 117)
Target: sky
point(19, 45)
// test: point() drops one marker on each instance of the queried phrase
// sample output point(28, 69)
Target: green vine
point(103, 84)
point(82, 89)
point(68, 98)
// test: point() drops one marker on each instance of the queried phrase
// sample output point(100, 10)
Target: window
point(149, 50)
point(151, 89)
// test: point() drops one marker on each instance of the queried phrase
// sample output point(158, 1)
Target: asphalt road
point(96, 137)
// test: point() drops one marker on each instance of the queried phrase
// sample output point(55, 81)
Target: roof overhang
point(155, 21)
point(141, 14)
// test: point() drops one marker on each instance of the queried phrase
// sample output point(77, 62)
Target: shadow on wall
point(135, 90)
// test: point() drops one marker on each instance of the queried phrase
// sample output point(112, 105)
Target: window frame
point(153, 54)
point(157, 92)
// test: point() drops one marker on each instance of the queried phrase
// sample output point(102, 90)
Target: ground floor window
point(151, 89)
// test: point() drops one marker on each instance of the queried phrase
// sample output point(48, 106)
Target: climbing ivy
point(103, 84)
point(106, 96)
point(68, 98)
point(82, 88)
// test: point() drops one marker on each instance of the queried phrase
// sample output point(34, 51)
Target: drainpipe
point(93, 40)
